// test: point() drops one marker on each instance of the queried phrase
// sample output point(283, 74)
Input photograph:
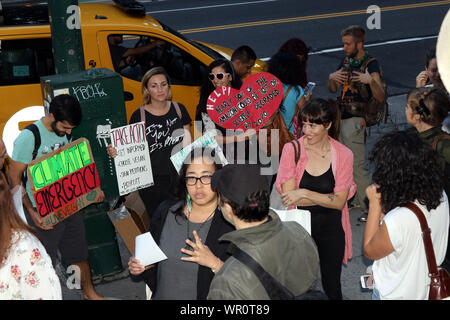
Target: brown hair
point(324, 112)
point(9, 219)
point(150, 73)
point(356, 32)
point(432, 104)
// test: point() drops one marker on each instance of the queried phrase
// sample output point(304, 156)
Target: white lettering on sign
point(89, 92)
point(73, 21)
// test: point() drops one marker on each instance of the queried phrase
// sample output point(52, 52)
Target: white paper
point(17, 198)
point(302, 217)
point(147, 251)
point(207, 140)
point(132, 163)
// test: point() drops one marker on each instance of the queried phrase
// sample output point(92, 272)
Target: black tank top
point(322, 184)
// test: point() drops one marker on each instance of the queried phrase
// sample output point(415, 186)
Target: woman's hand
point(135, 266)
point(290, 198)
point(201, 254)
point(112, 152)
point(374, 198)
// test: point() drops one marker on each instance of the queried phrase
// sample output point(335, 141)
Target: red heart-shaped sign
point(248, 108)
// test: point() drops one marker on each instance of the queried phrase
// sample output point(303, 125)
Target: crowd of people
point(201, 215)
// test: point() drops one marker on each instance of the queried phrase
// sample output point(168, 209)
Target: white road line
point(209, 7)
point(368, 45)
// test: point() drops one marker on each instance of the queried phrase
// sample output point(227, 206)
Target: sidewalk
point(351, 288)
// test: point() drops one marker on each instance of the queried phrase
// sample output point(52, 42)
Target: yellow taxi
point(26, 55)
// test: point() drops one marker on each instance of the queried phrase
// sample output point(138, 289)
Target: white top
point(27, 273)
point(403, 274)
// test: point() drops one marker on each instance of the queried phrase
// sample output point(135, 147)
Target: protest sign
point(248, 108)
point(133, 166)
point(64, 181)
point(207, 140)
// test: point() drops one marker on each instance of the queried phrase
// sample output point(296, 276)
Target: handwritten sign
point(207, 140)
point(133, 166)
point(248, 108)
point(64, 181)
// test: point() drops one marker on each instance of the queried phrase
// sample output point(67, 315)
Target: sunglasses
point(219, 76)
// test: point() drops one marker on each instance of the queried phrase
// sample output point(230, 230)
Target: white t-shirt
point(403, 274)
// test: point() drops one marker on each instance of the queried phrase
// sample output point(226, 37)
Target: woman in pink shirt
point(321, 182)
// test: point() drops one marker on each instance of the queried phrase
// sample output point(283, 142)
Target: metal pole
point(65, 26)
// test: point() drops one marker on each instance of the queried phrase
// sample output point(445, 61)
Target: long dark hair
point(406, 169)
point(206, 153)
point(298, 47)
point(321, 111)
point(287, 67)
point(207, 86)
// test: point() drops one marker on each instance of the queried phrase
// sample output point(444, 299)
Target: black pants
point(327, 232)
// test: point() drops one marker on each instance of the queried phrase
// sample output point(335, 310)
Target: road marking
point(367, 45)
point(313, 17)
point(210, 7)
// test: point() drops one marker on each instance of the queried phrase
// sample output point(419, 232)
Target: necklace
point(198, 230)
point(316, 151)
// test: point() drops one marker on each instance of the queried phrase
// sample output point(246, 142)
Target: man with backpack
point(284, 250)
point(44, 136)
point(362, 103)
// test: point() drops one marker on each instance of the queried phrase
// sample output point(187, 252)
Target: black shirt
point(163, 133)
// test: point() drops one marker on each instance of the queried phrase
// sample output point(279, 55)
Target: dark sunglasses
point(219, 76)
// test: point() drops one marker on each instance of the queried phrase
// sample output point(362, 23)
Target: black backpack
point(274, 288)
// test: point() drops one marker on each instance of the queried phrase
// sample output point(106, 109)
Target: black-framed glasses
point(192, 181)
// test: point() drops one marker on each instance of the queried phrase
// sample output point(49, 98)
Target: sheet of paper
point(302, 217)
point(17, 198)
point(147, 251)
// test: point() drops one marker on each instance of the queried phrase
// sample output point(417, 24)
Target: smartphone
point(367, 281)
point(309, 87)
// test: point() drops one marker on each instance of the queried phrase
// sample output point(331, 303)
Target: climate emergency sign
point(64, 181)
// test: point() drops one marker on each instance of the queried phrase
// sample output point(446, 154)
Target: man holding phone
point(359, 76)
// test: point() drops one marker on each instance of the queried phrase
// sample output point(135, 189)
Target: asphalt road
point(410, 27)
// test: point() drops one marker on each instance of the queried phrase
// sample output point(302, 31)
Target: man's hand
point(339, 76)
point(421, 79)
point(37, 221)
point(365, 78)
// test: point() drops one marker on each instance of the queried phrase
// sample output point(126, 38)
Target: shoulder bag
point(440, 279)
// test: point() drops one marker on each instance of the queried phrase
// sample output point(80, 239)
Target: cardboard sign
point(64, 181)
point(207, 140)
point(248, 108)
point(133, 166)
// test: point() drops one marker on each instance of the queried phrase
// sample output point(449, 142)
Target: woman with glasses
point(219, 73)
point(167, 125)
point(187, 231)
point(321, 181)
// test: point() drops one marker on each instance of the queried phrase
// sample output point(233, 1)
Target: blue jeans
point(375, 294)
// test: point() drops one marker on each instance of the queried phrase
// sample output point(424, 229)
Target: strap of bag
point(439, 138)
point(274, 289)
point(426, 235)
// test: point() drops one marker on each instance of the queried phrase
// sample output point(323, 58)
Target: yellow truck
point(26, 55)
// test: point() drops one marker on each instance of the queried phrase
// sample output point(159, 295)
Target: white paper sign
point(133, 166)
point(207, 140)
point(147, 251)
point(302, 217)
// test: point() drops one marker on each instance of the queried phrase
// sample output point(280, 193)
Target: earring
point(188, 202)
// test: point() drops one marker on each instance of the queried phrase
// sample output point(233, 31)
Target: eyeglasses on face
point(192, 181)
point(219, 75)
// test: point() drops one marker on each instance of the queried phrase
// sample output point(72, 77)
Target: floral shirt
point(27, 273)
